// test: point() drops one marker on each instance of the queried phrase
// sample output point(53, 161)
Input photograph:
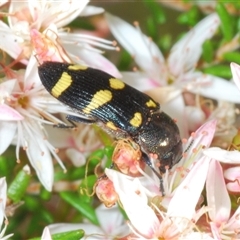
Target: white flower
point(222, 225)
point(50, 18)
point(178, 69)
point(193, 152)
point(24, 103)
point(147, 221)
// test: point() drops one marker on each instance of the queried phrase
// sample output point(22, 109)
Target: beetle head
point(161, 136)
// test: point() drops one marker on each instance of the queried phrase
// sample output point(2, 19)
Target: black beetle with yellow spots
point(117, 107)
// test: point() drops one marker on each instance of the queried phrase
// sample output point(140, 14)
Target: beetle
point(118, 108)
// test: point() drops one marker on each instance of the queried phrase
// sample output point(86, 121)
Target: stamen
point(193, 134)
point(194, 150)
point(205, 133)
point(81, 39)
point(175, 120)
point(52, 150)
point(19, 134)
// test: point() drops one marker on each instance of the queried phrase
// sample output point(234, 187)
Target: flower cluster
point(26, 107)
point(32, 32)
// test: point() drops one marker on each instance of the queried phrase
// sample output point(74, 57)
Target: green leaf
point(31, 203)
point(77, 173)
point(227, 23)
point(219, 70)
point(86, 209)
point(86, 188)
point(45, 195)
point(151, 27)
point(37, 220)
point(165, 42)
point(8, 163)
point(109, 152)
point(70, 235)
point(156, 11)
point(72, 174)
point(125, 60)
point(104, 137)
point(190, 17)
point(208, 51)
point(19, 185)
point(238, 24)
point(232, 57)
point(96, 156)
point(83, 23)
point(89, 182)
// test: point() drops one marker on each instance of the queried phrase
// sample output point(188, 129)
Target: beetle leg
point(147, 160)
point(72, 119)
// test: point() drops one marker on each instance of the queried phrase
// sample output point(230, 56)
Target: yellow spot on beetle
point(136, 121)
point(77, 67)
point(116, 83)
point(111, 125)
point(151, 103)
point(99, 98)
point(62, 84)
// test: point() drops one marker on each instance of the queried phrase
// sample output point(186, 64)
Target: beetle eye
point(164, 143)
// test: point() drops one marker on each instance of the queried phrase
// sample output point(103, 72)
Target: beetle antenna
point(186, 150)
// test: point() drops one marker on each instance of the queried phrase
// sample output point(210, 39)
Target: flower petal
point(77, 158)
point(41, 161)
point(196, 236)
point(212, 87)
point(235, 68)
point(135, 203)
point(144, 50)
point(68, 11)
point(3, 197)
point(9, 42)
point(189, 191)
point(186, 52)
point(193, 150)
point(9, 114)
point(175, 109)
point(234, 222)
point(112, 221)
point(217, 195)
point(233, 187)
point(46, 234)
point(138, 80)
point(223, 155)
point(98, 61)
point(31, 75)
point(199, 139)
point(7, 87)
point(195, 117)
point(3, 2)
point(44, 13)
point(7, 132)
point(233, 175)
point(91, 10)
